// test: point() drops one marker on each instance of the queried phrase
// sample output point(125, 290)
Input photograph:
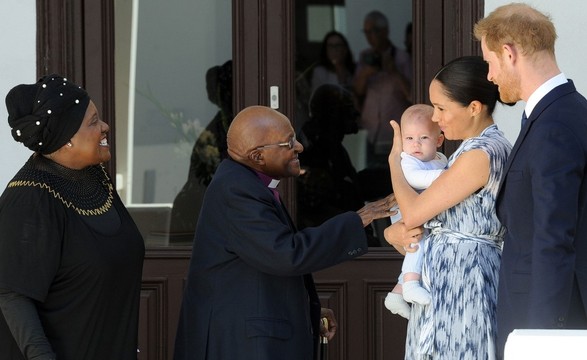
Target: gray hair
point(378, 19)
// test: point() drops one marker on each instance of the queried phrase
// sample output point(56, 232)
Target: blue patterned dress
point(461, 267)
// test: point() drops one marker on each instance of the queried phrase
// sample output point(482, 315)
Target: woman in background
point(336, 65)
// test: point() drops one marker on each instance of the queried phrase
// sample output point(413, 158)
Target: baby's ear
point(440, 140)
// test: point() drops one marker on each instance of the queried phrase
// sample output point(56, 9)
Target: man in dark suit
point(543, 195)
point(249, 292)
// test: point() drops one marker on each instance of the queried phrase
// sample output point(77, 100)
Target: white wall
point(17, 63)
point(17, 66)
point(570, 50)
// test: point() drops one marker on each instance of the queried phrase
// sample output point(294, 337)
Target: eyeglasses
point(290, 144)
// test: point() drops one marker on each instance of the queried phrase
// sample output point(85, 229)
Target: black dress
point(68, 243)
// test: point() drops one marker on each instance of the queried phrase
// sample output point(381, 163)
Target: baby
point(421, 165)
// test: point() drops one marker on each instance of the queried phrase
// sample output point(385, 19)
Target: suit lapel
point(542, 105)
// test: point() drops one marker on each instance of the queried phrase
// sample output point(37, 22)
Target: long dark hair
point(349, 62)
point(465, 80)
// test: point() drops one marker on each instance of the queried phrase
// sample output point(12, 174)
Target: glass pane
point(174, 101)
point(345, 129)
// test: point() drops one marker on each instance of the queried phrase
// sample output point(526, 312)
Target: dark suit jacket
point(543, 204)
point(249, 292)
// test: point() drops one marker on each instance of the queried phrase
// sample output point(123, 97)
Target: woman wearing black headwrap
point(70, 255)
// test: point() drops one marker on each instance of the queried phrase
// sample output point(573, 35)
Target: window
point(173, 80)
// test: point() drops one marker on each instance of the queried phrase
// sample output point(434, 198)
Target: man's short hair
point(378, 19)
point(517, 24)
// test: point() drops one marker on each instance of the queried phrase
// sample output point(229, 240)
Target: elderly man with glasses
point(249, 292)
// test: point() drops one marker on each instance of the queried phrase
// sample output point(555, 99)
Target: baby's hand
point(413, 247)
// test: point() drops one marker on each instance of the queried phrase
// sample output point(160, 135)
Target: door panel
point(355, 291)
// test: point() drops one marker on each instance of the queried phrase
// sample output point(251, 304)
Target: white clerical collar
point(273, 184)
point(267, 180)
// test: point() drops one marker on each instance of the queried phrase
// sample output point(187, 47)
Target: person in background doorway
point(70, 255)
point(408, 40)
point(543, 195)
point(336, 64)
point(382, 86)
point(329, 184)
point(207, 152)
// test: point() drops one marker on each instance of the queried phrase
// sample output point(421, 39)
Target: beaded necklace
point(88, 191)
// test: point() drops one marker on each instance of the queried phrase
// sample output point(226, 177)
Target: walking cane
point(324, 341)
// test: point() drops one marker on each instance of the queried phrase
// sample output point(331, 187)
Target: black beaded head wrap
point(45, 116)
